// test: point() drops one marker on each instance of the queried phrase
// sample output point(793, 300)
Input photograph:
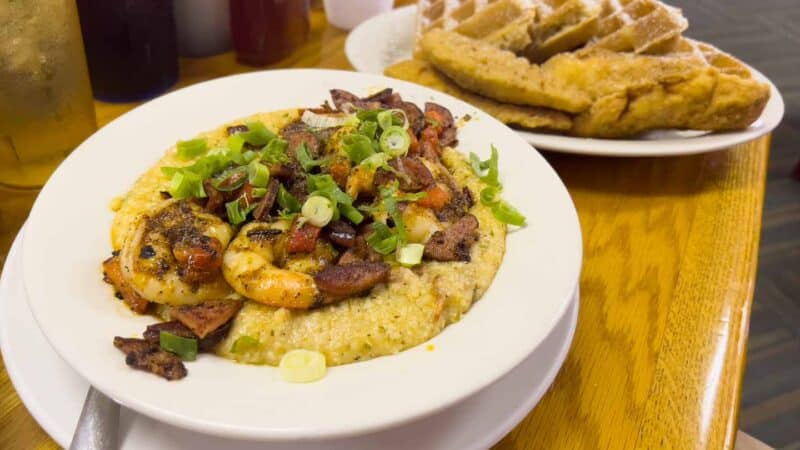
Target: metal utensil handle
point(98, 427)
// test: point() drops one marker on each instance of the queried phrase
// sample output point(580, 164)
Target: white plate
point(67, 237)
point(388, 38)
point(54, 393)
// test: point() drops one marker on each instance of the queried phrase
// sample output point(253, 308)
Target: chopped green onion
point(257, 174)
point(492, 177)
point(302, 366)
point(370, 115)
point(385, 119)
point(392, 117)
point(305, 160)
point(395, 141)
point(243, 343)
point(186, 184)
point(275, 152)
point(185, 348)
point(259, 192)
point(475, 162)
point(390, 203)
point(375, 161)
point(318, 210)
point(257, 134)
point(249, 156)
point(357, 147)
point(236, 214)
point(351, 213)
point(368, 129)
point(410, 254)
point(192, 148)
point(235, 143)
point(287, 201)
point(411, 196)
point(506, 213)
point(231, 179)
point(383, 246)
point(490, 195)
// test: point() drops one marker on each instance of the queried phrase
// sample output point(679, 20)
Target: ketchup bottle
point(266, 31)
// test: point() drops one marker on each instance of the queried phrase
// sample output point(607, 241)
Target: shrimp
point(250, 265)
point(174, 255)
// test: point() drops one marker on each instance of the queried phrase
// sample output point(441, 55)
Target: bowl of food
point(316, 254)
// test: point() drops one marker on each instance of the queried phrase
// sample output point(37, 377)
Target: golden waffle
point(562, 25)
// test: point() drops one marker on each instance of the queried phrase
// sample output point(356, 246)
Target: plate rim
point(771, 116)
point(270, 433)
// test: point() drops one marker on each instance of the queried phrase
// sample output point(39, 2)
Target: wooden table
point(670, 261)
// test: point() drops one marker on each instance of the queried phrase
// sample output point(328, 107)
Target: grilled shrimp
point(250, 265)
point(175, 253)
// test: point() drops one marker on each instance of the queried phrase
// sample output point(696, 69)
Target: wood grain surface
point(670, 260)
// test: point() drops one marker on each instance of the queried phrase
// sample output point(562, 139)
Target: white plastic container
point(346, 14)
point(203, 27)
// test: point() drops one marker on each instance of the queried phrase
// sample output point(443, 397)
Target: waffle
point(618, 67)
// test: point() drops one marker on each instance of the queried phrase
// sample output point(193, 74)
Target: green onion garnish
point(231, 179)
point(185, 348)
point(305, 159)
point(275, 152)
point(235, 143)
point(368, 115)
point(249, 156)
point(382, 239)
point(506, 213)
point(243, 343)
point(410, 255)
point(368, 129)
point(257, 174)
point(490, 195)
point(185, 184)
point(287, 201)
point(395, 141)
point(351, 213)
point(385, 119)
point(257, 134)
point(192, 148)
point(236, 214)
point(318, 210)
point(357, 147)
point(259, 192)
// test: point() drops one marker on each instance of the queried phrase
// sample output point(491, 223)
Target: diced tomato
point(436, 199)
point(435, 120)
point(303, 239)
point(429, 145)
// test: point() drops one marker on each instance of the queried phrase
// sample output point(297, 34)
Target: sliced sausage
point(206, 317)
point(207, 344)
point(417, 176)
point(112, 274)
point(297, 134)
point(143, 355)
point(346, 280)
point(454, 243)
point(267, 201)
point(341, 233)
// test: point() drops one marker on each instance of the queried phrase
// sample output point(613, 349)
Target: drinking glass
point(46, 106)
point(131, 46)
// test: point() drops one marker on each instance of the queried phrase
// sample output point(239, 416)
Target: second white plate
point(388, 38)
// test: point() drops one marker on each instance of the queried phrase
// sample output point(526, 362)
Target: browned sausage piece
point(417, 176)
point(143, 355)
point(297, 134)
point(341, 233)
point(153, 334)
point(446, 125)
point(453, 244)
point(206, 317)
point(351, 279)
point(265, 203)
point(349, 102)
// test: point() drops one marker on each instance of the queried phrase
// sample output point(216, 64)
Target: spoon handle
point(98, 427)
